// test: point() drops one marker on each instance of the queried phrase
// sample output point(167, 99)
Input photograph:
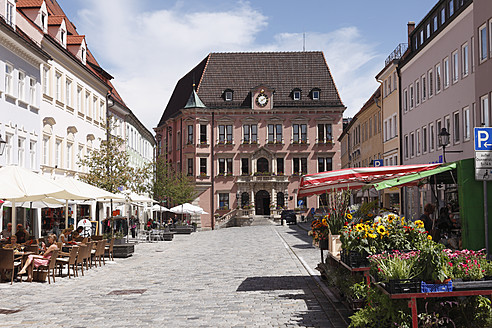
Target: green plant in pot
point(433, 263)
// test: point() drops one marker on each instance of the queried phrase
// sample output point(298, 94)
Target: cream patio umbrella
point(83, 191)
point(21, 185)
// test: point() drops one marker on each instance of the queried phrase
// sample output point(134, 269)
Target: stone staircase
point(261, 220)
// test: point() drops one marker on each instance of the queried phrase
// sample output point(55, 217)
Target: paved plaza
point(258, 276)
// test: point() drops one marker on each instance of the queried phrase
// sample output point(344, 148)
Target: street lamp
point(443, 137)
point(2, 145)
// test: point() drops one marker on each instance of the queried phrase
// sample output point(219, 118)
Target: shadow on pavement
point(316, 302)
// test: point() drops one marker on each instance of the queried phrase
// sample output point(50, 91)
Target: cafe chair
point(109, 248)
point(33, 249)
point(69, 261)
point(50, 267)
point(79, 260)
point(7, 262)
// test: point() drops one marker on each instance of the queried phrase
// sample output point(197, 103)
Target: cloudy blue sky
point(147, 45)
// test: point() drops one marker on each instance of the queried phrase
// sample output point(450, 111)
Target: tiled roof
point(241, 72)
point(75, 39)
point(56, 19)
point(29, 3)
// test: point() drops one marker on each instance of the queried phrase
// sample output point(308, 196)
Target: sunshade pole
point(14, 218)
point(66, 213)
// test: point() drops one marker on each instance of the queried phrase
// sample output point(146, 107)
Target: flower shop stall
point(408, 271)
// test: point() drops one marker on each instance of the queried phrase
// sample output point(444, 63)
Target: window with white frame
point(446, 72)
point(438, 78)
point(225, 166)
point(21, 151)
point(406, 147)
point(395, 81)
point(464, 60)
point(431, 137)
point(390, 127)
point(424, 139)
point(411, 96)
point(456, 127)
point(274, 133)
point(190, 167)
point(299, 165)
point(296, 94)
point(299, 133)
point(315, 94)
point(10, 14)
point(21, 86)
point(438, 130)
point(32, 154)
point(69, 156)
point(412, 144)
point(9, 79)
point(385, 130)
point(228, 96)
point(58, 83)
point(95, 108)
point(87, 108)
point(58, 150)
point(424, 87)
point(46, 80)
point(80, 156)
point(9, 148)
point(430, 81)
point(225, 134)
point(68, 92)
point(456, 66)
point(405, 103)
point(223, 201)
point(102, 111)
point(325, 164)
point(472, 54)
point(417, 92)
point(203, 166)
point(395, 126)
point(79, 99)
point(32, 91)
point(190, 135)
point(484, 110)
point(435, 24)
point(325, 133)
point(417, 144)
point(447, 123)
point(203, 133)
point(482, 43)
point(390, 88)
point(466, 123)
point(46, 150)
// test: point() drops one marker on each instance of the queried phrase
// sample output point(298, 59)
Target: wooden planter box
point(168, 236)
point(122, 251)
point(182, 230)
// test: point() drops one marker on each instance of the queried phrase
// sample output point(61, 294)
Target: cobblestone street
point(257, 276)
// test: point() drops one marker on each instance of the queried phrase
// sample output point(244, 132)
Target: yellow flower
point(381, 230)
point(429, 237)
point(372, 235)
point(359, 227)
point(349, 216)
point(325, 223)
point(419, 223)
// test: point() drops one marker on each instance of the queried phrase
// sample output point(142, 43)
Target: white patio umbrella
point(83, 191)
point(47, 202)
point(187, 208)
point(21, 185)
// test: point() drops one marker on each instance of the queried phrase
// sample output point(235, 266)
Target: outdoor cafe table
point(412, 303)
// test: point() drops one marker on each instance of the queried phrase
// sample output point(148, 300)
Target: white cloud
point(148, 52)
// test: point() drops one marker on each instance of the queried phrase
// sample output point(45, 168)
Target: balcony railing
point(262, 178)
point(397, 53)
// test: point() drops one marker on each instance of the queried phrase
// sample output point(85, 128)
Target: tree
point(109, 168)
point(172, 185)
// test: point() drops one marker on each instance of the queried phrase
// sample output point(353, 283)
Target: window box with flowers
point(229, 174)
point(203, 175)
point(223, 208)
point(221, 174)
point(264, 174)
point(254, 142)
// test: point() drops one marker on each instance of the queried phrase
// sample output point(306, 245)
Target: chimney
point(410, 28)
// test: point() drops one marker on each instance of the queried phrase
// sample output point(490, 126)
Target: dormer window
point(228, 95)
point(296, 94)
point(63, 37)
point(315, 94)
point(83, 55)
point(44, 21)
point(10, 13)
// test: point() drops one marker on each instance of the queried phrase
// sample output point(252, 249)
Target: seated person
point(7, 232)
point(77, 233)
point(65, 236)
point(22, 234)
point(13, 243)
point(38, 260)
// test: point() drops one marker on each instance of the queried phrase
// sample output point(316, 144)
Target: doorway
point(262, 203)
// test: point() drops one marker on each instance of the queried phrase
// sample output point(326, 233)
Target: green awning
point(412, 177)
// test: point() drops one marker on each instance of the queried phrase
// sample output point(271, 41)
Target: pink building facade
point(246, 126)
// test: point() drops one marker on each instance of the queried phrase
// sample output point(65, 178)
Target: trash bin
point(302, 218)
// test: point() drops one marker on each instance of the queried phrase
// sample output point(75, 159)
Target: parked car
point(289, 216)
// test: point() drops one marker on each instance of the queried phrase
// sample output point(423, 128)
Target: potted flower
point(320, 233)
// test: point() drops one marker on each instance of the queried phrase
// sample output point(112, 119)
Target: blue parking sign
point(483, 139)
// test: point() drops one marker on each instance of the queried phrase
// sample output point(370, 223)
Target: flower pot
point(335, 245)
point(324, 244)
